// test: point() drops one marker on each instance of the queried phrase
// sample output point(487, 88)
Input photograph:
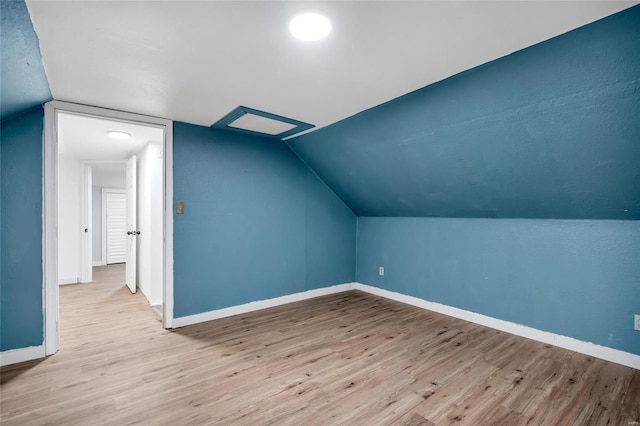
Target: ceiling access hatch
point(252, 121)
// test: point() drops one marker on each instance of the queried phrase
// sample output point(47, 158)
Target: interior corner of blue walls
point(548, 132)
point(258, 223)
point(23, 82)
point(21, 310)
point(330, 236)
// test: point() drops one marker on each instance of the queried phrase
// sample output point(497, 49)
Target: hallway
point(104, 307)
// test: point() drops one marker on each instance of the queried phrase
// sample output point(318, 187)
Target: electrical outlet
point(381, 271)
point(636, 322)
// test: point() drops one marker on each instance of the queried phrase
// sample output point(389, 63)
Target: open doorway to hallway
point(110, 205)
point(50, 208)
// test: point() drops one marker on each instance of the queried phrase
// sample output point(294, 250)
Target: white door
point(132, 230)
point(115, 233)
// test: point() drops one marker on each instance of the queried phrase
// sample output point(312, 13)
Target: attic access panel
point(255, 122)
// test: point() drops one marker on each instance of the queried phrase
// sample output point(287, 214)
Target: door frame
point(50, 208)
point(86, 209)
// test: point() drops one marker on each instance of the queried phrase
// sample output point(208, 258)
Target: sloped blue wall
point(551, 131)
point(23, 83)
point(21, 316)
point(258, 223)
point(474, 172)
point(571, 277)
point(23, 88)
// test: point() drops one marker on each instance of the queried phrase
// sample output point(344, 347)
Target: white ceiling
point(85, 138)
point(196, 61)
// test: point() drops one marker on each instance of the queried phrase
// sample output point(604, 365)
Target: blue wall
point(258, 223)
point(550, 131)
point(23, 83)
point(575, 278)
point(21, 318)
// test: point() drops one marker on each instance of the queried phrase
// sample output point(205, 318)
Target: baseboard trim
point(261, 304)
point(68, 280)
point(15, 356)
point(586, 348)
point(98, 263)
point(157, 311)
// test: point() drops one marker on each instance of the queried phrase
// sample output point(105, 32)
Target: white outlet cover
point(381, 271)
point(636, 322)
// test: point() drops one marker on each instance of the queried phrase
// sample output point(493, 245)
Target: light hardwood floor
point(344, 359)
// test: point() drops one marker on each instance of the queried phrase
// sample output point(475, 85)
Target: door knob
point(133, 232)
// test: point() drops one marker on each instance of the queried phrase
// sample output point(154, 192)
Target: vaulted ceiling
point(455, 109)
point(551, 131)
point(196, 61)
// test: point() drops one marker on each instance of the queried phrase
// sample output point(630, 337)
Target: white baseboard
point(591, 349)
point(153, 303)
point(261, 304)
point(157, 311)
point(69, 280)
point(15, 356)
point(98, 263)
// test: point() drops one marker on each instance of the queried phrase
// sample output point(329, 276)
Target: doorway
point(71, 148)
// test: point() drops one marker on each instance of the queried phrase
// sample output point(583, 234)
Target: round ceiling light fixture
point(310, 26)
point(114, 134)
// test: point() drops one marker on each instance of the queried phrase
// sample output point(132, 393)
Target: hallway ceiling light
point(310, 26)
point(113, 134)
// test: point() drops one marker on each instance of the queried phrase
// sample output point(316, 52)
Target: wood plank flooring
point(344, 359)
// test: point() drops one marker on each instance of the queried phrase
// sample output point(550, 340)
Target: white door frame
point(103, 218)
point(83, 205)
point(50, 208)
point(86, 207)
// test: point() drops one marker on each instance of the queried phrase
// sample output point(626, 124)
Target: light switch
point(180, 207)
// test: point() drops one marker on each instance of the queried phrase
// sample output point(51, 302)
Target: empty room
point(361, 213)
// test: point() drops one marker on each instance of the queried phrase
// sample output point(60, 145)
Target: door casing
point(50, 208)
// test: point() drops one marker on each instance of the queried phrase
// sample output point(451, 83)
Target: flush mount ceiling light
point(310, 26)
point(114, 134)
